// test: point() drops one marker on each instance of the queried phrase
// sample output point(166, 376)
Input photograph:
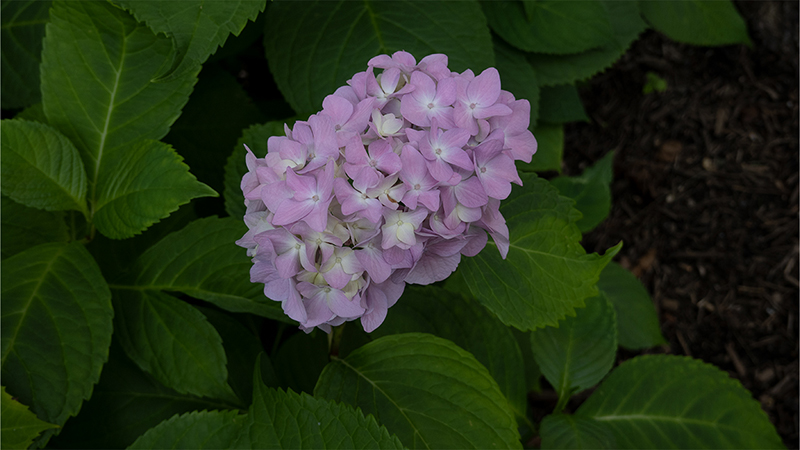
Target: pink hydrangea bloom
point(399, 175)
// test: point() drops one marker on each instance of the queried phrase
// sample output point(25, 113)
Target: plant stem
point(334, 339)
point(563, 399)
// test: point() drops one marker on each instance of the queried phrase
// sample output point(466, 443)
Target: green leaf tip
point(19, 426)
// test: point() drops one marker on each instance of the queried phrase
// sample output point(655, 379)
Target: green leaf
point(97, 67)
point(427, 390)
point(580, 351)
point(173, 341)
point(33, 113)
point(518, 76)
point(140, 185)
point(547, 274)
point(125, 404)
point(242, 347)
point(254, 137)
point(662, 401)
point(197, 27)
point(591, 192)
point(202, 261)
point(301, 374)
point(195, 430)
point(19, 426)
point(56, 328)
point(561, 69)
point(561, 431)
point(637, 320)
point(22, 32)
point(697, 22)
point(561, 104)
point(548, 156)
point(41, 168)
point(550, 26)
point(313, 48)
point(465, 322)
point(204, 138)
point(24, 227)
point(279, 419)
point(116, 256)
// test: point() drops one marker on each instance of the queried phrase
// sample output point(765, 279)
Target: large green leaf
point(547, 274)
point(465, 322)
point(41, 168)
point(637, 320)
point(571, 432)
point(24, 227)
point(56, 328)
point(580, 352)
point(427, 390)
point(195, 430)
point(279, 419)
point(125, 404)
point(254, 137)
point(661, 401)
point(19, 425)
point(202, 261)
point(173, 341)
point(697, 22)
point(518, 76)
point(550, 26)
point(561, 104)
point(98, 64)
point(204, 139)
point(561, 69)
point(23, 25)
point(198, 27)
point(313, 48)
point(550, 150)
point(591, 192)
point(140, 185)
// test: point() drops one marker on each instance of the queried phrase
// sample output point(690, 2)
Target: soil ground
point(705, 196)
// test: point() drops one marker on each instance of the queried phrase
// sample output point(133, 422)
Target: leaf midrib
point(109, 111)
point(377, 388)
point(651, 418)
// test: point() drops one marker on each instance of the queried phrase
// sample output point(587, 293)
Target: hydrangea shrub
point(129, 318)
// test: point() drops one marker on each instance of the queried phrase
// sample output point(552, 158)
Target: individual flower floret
point(399, 175)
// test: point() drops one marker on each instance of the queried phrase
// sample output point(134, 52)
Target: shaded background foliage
point(709, 229)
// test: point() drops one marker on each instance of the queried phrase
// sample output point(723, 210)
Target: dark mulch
point(706, 196)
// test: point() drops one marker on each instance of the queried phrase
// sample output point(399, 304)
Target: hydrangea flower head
point(399, 175)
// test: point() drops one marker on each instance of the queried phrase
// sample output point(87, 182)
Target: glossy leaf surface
point(580, 352)
point(23, 25)
point(173, 341)
point(550, 26)
point(637, 320)
point(560, 69)
point(140, 185)
point(313, 48)
point(697, 22)
point(546, 273)
point(427, 390)
point(56, 328)
point(662, 401)
point(41, 168)
point(19, 425)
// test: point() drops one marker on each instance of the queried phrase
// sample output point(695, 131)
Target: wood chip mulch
point(705, 196)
